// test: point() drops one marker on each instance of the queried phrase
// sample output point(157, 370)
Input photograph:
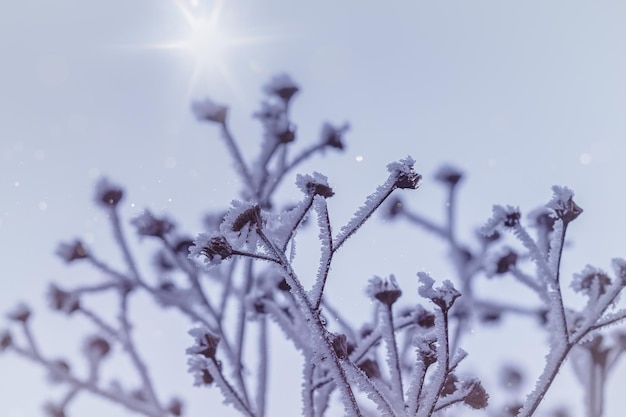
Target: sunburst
point(208, 40)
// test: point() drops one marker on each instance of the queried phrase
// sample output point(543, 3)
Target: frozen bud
point(385, 290)
point(288, 135)
point(59, 370)
point(426, 348)
point(281, 86)
point(591, 280)
point(20, 313)
point(175, 407)
point(477, 397)
point(96, 348)
point(108, 194)
point(208, 110)
point(148, 225)
point(73, 251)
point(424, 318)
point(506, 263)
point(250, 216)
point(406, 177)
point(443, 296)
point(6, 340)
point(215, 248)
point(563, 204)
point(218, 246)
point(449, 386)
point(205, 342)
point(332, 136)
point(63, 301)
point(542, 218)
point(340, 345)
point(370, 367)
point(449, 175)
point(316, 184)
point(502, 217)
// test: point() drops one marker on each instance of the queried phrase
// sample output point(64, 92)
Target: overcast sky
point(520, 95)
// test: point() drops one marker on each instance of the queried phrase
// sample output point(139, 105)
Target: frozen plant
point(574, 333)
point(237, 278)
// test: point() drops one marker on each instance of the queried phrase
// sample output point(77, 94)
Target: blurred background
point(518, 95)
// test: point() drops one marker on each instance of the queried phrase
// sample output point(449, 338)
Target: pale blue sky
point(520, 95)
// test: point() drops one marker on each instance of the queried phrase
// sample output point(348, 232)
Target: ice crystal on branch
point(563, 204)
point(443, 296)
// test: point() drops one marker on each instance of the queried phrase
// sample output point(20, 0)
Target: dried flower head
point(332, 135)
point(443, 296)
point(563, 204)
point(385, 290)
point(591, 280)
point(96, 348)
point(281, 86)
point(406, 177)
point(108, 195)
point(315, 184)
point(208, 110)
point(449, 386)
point(214, 248)
point(73, 251)
point(477, 397)
point(60, 300)
point(149, 225)
point(20, 313)
point(205, 342)
point(506, 262)
point(449, 175)
point(502, 217)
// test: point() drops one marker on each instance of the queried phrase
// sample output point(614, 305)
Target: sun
point(209, 40)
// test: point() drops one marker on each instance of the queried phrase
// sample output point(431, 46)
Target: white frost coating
point(195, 250)
point(372, 390)
point(377, 285)
point(560, 198)
point(303, 181)
point(402, 166)
point(538, 256)
point(497, 219)
point(319, 204)
point(446, 293)
point(556, 247)
point(584, 281)
point(245, 238)
point(365, 211)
